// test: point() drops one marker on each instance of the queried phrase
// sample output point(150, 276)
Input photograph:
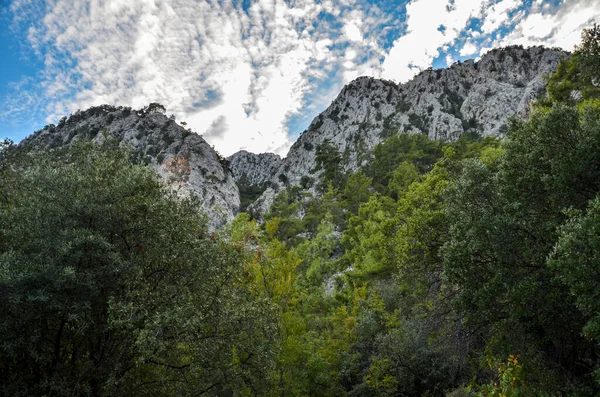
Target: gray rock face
point(254, 168)
point(183, 159)
point(476, 97)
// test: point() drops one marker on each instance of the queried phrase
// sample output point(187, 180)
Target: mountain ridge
point(467, 97)
point(183, 159)
point(477, 97)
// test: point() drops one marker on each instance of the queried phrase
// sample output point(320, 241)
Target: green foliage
point(504, 217)
point(317, 252)
point(415, 276)
point(388, 155)
point(405, 174)
point(367, 238)
point(285, 209)
point(576, 261)
point(455, 256)
point(306, 182)
point(579, 72)
point(328, 159)
point(409, 360)
point(510, 382)
point(356, 191)
point(589, 52)
point(110, 286)
point(566, 79)
point(318, 208)
point(249, 193)
point(421, 229)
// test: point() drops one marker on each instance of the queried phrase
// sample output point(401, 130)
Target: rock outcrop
point(477, 97)
point(469, 97)
point(254, 169)
point(182, 158)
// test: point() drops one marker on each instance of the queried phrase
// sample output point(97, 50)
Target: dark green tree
point(589, 52)
point(111, 286)
point(388, 155)
point(328, 159)
point(504, 218)
point(356, 191)
point(578, 76)
point(578, 265)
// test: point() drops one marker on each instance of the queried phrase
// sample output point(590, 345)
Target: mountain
point(255, 169)
point(181, 158)
point(469, 97)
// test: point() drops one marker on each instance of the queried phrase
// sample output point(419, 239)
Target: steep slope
point(182, 159)
point(469, 97)
point(254, 169)
point(476, 97)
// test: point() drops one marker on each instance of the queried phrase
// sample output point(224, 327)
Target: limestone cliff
point(476, 97)
point(182, 158)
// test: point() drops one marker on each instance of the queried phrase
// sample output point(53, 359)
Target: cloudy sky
point(246, 74)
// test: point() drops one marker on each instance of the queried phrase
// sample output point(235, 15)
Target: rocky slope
point(182, 159)
point(476, 97)
point(255, 169)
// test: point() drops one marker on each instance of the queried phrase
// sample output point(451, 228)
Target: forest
point(463, 268)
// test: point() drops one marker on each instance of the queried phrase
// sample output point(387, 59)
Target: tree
point(576, 261)
point(368, 237)
point(578, 76)
point(285, 212)
point(504, 218)
point(388, 155)
point(356, 191)
point(405, 174)
point(329, 160)
point(589, 52)
point(111, 286)
point(316, 253)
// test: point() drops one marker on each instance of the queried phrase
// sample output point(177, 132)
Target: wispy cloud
point(554, 26)
point(246, 68)
point(245, 73)
point(547, 23)
point(430, 26)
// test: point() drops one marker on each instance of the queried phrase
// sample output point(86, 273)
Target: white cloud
point(498, 14)
point(430, 25)
point(207, 62)
point(238, 76)
point(554, 26)
point(352, 31)
point(468, 49)
point(434, 27)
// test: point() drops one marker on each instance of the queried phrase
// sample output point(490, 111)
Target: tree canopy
point(112, 286)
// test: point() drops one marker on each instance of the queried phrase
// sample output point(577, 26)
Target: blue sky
point(246, 74)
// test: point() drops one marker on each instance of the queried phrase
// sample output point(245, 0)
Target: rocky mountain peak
point(477, 97)
point(183, 159)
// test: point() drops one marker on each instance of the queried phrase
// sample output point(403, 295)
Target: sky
point(246, 74)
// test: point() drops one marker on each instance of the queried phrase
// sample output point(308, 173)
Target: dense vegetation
point(468, 268)
point(111, 286)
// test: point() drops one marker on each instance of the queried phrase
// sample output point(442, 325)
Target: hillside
point(414, 242)
point(469, 97)
point(183, 159)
